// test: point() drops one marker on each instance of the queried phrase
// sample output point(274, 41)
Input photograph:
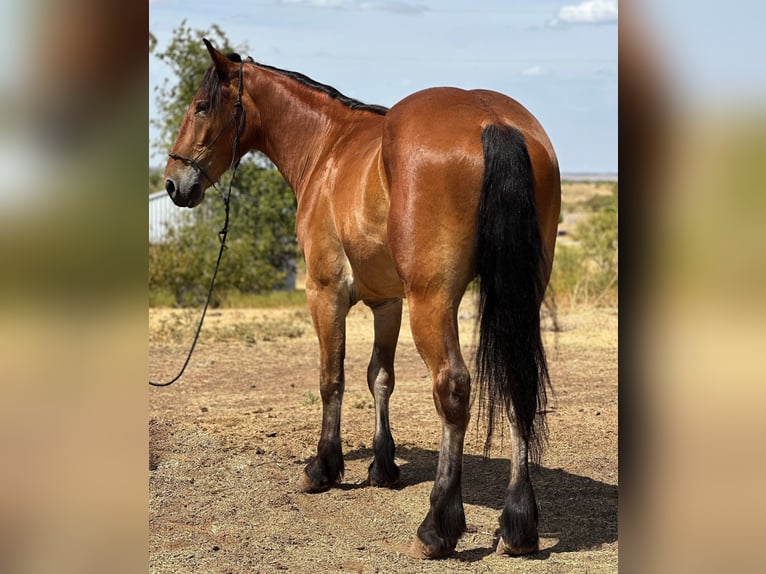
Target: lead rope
point(239, 121)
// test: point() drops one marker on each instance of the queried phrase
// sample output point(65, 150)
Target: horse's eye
point(201, 107)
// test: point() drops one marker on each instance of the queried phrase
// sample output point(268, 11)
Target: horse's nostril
point(170, 187)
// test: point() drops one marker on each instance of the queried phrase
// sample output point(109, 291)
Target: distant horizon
point(589, 176)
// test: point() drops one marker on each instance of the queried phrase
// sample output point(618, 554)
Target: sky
point(557, 57)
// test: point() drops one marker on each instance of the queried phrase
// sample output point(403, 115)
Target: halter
point(238, 118)
point(239, 121)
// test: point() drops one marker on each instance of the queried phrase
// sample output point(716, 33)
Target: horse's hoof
point(423, 552)
point(305, 484)
point(382, 475)
point(380, 483)
point(503, 548)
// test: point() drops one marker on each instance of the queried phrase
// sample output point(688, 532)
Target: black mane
point(210, 88)
point(329, 90)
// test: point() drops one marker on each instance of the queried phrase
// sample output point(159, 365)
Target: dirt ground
point(229, 440)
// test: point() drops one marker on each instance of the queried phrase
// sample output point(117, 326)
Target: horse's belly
point(374, 274)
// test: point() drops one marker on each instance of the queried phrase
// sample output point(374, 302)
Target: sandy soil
point(229, 440)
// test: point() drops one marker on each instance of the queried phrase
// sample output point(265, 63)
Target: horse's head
point(205, 146)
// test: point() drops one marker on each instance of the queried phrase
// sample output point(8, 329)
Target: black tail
point(510, 359)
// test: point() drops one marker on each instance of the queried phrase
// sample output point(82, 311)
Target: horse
point(414, 202)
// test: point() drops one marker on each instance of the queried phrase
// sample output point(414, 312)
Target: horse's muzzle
point(185, 191)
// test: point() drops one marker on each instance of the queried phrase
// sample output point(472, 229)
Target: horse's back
point(454, 114)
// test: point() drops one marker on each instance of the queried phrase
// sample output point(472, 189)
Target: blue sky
point(558, 58)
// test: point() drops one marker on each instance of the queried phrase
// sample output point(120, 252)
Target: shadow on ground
point(580, 512)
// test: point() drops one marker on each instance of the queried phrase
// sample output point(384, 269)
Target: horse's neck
point(298, 125)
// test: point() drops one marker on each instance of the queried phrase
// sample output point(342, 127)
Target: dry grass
point(575, 194)
point(229, 440)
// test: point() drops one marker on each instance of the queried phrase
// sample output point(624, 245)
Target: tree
point(156, 179)
point(261, 244)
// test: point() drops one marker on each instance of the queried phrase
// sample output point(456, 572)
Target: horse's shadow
point(577, 511)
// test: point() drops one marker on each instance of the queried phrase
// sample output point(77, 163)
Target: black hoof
point(384, 475)
point(441, 529)
point(518, 522)
point(421, 550)
point(324, 470)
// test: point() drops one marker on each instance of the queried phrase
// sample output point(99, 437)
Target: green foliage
point(161, 297)
point(261, 245)
point(586, 272)
point(156, 180)
point(597, 236)
point(599, 202)
point(567, 274)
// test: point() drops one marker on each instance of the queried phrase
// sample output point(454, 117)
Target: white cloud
point(588, 12)
point(316, 3)
point(379, 5)
point(534, 71)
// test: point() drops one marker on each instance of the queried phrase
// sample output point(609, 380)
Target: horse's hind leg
point(329, 308)
point(380, 379)
point(518, 522)
point(434, 328)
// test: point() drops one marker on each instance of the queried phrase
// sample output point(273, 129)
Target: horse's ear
point(223, 65)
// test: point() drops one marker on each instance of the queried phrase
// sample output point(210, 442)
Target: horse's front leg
point(329, 307)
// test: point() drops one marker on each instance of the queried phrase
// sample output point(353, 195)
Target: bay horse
point(413, 201)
